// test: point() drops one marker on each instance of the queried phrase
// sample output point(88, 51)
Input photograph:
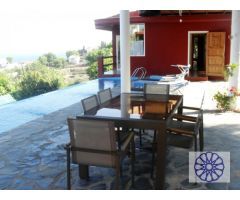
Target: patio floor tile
point(33, 157)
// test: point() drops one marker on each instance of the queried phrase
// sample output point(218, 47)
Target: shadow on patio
point(33, 157)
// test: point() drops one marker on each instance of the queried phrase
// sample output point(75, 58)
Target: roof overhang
point(166, 16)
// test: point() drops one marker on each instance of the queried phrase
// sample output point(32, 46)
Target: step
point(196, 78)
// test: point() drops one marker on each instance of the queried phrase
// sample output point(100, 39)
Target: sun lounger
point(184, 69)
point(176, 82)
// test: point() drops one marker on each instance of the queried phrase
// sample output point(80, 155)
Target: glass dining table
point(136, 110)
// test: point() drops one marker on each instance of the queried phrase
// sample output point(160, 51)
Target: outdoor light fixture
point(180, 14)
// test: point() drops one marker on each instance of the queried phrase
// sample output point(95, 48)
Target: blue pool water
point(17, 113)
point(135, 82)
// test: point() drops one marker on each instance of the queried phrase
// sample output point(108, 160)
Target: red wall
point(166, 43)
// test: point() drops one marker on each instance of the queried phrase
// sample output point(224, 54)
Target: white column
point(235, 48)
point(125, 51)
point(125, 106)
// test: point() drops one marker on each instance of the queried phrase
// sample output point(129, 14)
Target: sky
point(36, 27)
point(30, 27)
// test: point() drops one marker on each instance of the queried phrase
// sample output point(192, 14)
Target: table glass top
point(138, 106)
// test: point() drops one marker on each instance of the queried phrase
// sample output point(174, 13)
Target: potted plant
point(226, 99)
point(229, 69)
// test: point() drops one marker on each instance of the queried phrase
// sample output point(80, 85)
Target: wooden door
point(215, 59)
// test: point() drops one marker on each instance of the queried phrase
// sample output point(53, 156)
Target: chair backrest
point(156, 107)
point(93, 141)
point(89, 103)
point(104, 95)
point(200, 113)
point(202, 101)
point(156, 89)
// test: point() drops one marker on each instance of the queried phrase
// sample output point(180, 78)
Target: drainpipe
point(235, 49)
point(125, 51)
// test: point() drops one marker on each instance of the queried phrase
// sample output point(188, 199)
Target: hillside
point(75, 74)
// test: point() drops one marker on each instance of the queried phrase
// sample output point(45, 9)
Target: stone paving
point(32, 155)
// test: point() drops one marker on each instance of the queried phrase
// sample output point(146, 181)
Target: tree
point(5, 84)
point(82, 52)
point(105, 45)
point(37, 79)
point(59, 62)
point(72, 52)
point(43, 60)
point(9, 60)
point(103, 50)
point(51, 60)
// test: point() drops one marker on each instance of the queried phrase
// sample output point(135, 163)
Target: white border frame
point(189, 42)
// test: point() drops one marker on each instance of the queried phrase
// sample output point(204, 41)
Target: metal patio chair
point(104, 95)
point(184, 130)
point(89, 103)
point(93, 142)
point(90, 106)
point(190, 128)
point(151, 89)
point(183, 123)
point(156, 89)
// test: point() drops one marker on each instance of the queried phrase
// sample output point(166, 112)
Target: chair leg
point(153, 162)
point(121, 170)
point(132, 162)
point(117, 180)
point(201, 137)
point(140, 137)
point(83, 171)
point(195, 143)
point(153, 153)
point(68, 170)
point(154, 136)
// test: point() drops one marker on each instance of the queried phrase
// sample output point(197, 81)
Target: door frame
point(190, 33)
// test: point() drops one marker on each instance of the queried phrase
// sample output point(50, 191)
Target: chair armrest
point(185, 117)
point(190, 108)
point(67, 146)
point(180, 131)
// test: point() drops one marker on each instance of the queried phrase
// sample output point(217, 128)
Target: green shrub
point(92, 56)
point(51, 60)
point(37, 79)
point(5, 84)
point(92, 71)
point(224, 100)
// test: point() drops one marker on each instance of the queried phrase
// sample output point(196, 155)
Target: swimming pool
point(139, 83)
point(17, 113)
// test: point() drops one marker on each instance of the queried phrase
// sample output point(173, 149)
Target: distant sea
point(29, 57)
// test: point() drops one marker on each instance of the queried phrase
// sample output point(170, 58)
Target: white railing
point(141, 71)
